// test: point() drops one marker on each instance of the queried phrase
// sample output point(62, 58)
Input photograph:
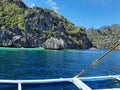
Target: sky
point(87, 13)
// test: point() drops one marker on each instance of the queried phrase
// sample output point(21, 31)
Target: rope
point(96, 61)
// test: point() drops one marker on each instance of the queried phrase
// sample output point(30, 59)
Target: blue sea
point(37, 63)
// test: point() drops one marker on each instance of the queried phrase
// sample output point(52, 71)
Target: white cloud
point(53, 5)
point(32, 5)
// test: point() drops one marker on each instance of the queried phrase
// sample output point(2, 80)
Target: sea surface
point(37, 63)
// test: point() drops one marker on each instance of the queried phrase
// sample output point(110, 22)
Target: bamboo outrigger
point(76, 80)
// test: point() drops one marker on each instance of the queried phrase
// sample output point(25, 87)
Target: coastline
point(41, 48)
point(11, 48)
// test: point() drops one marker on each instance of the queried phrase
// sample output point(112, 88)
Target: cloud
point(32, 5)
point(53, 5)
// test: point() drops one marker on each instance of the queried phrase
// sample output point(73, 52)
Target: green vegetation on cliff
point(11, 12)
point(104, 37)
point(33, 26)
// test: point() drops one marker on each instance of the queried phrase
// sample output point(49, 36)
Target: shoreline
point(41, 48)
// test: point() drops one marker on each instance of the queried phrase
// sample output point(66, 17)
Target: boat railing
point(76, 81)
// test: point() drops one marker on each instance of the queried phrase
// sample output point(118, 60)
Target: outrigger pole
point(96, 61)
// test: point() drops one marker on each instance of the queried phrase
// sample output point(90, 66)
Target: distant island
point(22, 26)
point(104, 37)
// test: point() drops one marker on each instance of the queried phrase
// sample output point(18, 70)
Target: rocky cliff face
point(54, 43)
point(104, 37)
point(21, 26)
point(14, 37)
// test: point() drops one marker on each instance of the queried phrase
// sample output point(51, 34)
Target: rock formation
point(22, 26)
point(54, 43)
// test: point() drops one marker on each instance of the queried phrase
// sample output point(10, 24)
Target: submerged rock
point(54, 43)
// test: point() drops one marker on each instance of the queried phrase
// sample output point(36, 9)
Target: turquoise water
point(37, 63)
